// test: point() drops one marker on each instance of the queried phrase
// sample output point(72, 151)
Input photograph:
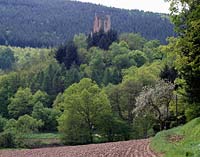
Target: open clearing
point(134, 148)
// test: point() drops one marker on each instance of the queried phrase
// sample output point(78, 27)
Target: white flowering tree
point(156, 100)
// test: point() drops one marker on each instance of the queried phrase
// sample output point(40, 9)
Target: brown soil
point(134, 148)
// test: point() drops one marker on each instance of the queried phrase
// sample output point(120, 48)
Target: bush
point(27, 124)
point(3, 122)
point(47, 115)
point(7, 140)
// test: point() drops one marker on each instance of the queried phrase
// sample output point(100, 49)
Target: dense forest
point(103, 87)
point(87, 93)
point(81, 84)
point(48, 23)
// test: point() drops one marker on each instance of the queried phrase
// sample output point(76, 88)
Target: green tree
point(42, 97)
point(21, 103)
point(27, 124)
point(123, 98)
point(67, 54)
point(135, 41)
point(73, 75)
point(151, 50)
point(102, 39)
point(80, 41)
point(84, 104)
point(47, 115)
point(7, 140)
point(3, 122)
point(117, 49)
point(11, 126)
point(7, 58)
point(146, 74)
point(113, 128)
point(107, 77)
point(97, 64)
point(143, 125)
point(121, 61)
point(9, 84)
point(185, 15)
point(139, 57)
point(24, 124)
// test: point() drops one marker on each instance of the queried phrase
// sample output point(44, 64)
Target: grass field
point(183, 141)
point(41, 140)
point(42, 136)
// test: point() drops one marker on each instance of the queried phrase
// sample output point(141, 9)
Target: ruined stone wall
point(107, 23)
point(98, 24)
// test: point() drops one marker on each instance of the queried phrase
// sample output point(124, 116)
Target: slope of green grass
point(187, 146)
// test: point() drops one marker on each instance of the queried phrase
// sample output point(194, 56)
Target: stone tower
point(97, 24)
point(107, 23)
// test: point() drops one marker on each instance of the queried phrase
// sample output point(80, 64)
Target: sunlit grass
point(42, 136)
point(189, 146)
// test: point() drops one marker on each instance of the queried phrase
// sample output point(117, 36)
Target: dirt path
point(134, 148)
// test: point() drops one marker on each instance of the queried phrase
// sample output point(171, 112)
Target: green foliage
point(192, 111)
point(97, 64)
point(85, 111)
point(143, 125)
point(49, 29)
point(8, 86)
point(139, 57)
point(117, 49)
point(151, 50)
point(6, 58)
point(27, 124)
point(122, 99)
point(3, 122)
point(42, 97)
point(27, 57)
point(134, 41)
point(24, 124)
point(21, 103)
point(113, 128)
point(84, 104)
point(47, 115)
point(189, 145)
point(67, 54)
point(7, 140)
point(147, 74)
point(80, 41)
point(186, 19)
point(168, 74)
point(14, 130)
point(121, 61)
point(73, 129)
point(11, 126)
point(51, 80)
point(102, 39)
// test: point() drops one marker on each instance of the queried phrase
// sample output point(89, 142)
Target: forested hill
point(38, 23)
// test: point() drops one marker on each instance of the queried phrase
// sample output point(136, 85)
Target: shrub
point(7, 140)
point(3, 122)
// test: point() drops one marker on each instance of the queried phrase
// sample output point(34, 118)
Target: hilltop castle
point(106, 26)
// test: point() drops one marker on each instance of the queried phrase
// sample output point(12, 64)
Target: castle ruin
point(106, 26)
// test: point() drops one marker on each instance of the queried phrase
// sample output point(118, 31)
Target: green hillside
point(39, 23)
point(179, 142)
